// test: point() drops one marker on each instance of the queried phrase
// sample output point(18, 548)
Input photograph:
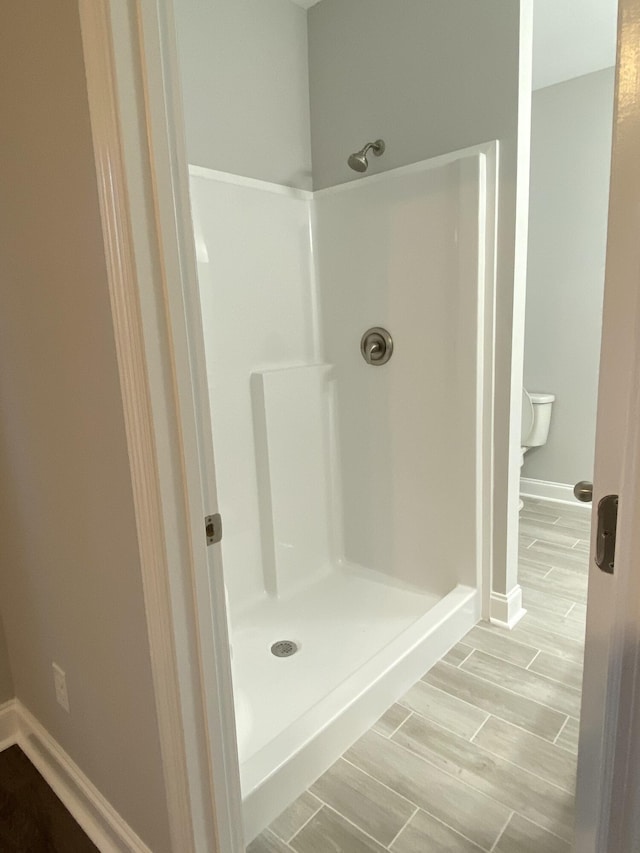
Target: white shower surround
point(330, 515)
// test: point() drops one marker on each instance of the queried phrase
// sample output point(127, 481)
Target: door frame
point(132, 72)
point(141, 164)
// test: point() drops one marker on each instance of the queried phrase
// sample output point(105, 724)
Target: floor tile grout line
point(466, 784)
point(490, 752)
point(532, 734)
point(379, 781)
point(402, 723)
point(309, 819)
point(322, 804)
point(402, 828)
point(444, 727)
point(345, 818)
point(570, 544)
point(562, 728)
point(570, 609)
point(493, 633)
point(478, 730)
point(467, 656)
point(544, 829)
point(561, 629)
point(508, 690)
point(355, 825)
point(501, 833)
point(576, 570)
point(448, 826)
point(494, 684)
point(533, 660)
point(525, 669)
point(557, 680)
point(548, 631)
point(269, 831)
point(446, 693)
point(460, 782)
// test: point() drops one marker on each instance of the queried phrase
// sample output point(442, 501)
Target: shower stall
point(348, 336)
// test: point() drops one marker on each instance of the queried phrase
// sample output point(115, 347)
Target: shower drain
point(284, 648)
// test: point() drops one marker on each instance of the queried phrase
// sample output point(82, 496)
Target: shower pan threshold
point(362, 640)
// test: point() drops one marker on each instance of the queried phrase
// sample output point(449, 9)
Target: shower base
point(362, 640)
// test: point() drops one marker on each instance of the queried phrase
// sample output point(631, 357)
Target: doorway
point(326, 814)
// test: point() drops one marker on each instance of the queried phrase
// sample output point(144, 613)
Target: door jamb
point(131, 69)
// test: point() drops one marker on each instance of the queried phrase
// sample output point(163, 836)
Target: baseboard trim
point(507, 610)
point(9, 724)
point(557, 492)
point(97, 817)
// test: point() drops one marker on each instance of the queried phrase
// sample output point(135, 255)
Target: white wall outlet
point(60, 682)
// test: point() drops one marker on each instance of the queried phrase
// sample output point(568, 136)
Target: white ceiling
point(570, 38)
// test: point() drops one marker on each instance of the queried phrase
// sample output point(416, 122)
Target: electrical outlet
point(60, 682)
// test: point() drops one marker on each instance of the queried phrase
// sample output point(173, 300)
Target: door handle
point(583, 491)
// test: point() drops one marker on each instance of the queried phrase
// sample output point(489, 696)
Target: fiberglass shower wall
point(400, 250)
point(323, 460)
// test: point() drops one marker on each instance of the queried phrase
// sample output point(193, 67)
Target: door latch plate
point(606, 535)
point(213, 528)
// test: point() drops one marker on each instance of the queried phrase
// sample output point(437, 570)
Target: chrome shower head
point(358, 161)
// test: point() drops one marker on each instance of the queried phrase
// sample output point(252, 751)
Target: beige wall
point(70, 583)
point(7, 690)
point(245, 71)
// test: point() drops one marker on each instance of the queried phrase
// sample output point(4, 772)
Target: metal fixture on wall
point(376, 346)
point(358, 161)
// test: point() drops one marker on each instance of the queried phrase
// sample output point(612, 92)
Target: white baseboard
point(507, 610)
point(97, 817)
point(558, 492)
point(8, 724)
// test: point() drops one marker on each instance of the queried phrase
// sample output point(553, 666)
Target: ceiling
point(570, 38)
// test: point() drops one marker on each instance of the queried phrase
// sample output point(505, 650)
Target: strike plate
point(606, 535)
point(213, 528)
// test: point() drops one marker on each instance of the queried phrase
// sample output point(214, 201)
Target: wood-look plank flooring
point(32, 818)
point(479, 755)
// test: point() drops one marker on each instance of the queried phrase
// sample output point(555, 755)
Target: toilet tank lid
point(541, 398)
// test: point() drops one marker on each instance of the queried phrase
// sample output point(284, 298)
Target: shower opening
point(348, 329)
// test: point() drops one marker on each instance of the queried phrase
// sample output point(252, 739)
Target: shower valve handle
point(376, 346)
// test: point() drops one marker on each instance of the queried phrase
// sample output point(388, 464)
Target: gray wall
point(246, 87)
point(429, 77)
point(70, 578)
point(570, 162)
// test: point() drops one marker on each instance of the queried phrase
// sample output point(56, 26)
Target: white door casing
point(136, 122)
point(607, 816)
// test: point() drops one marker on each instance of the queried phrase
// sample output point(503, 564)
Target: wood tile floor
point(480, 754)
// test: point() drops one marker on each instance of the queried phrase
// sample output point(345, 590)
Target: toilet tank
point(542, 405)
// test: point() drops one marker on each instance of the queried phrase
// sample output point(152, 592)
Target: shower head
point(358, 161)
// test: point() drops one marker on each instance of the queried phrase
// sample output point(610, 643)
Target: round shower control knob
point(376, 346)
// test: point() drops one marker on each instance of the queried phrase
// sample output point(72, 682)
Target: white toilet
point(536, 418)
